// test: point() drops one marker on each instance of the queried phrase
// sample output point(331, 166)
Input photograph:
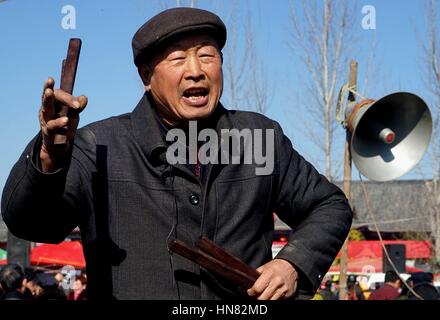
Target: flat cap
point(172, 22)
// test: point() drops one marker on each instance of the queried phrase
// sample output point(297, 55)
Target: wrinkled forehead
point(183, 42)
point(186, 42)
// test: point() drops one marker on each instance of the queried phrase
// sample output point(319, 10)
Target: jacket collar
point(147, 130)
point(146, 127)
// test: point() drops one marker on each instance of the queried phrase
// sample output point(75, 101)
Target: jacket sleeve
point(316, 210)
point(45, 207)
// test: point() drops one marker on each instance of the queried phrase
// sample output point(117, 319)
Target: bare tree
point(237, 62)
point(246, 78)
point(260, 82)
point(166, 4)
point(320, 35)
point(258, 86)
point(431, 72)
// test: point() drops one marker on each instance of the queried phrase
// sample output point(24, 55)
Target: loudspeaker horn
point(389, 136)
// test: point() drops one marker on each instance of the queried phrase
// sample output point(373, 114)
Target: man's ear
point(145, 74)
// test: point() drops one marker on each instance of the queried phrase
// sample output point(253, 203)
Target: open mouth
point(196, 97)
point(195, 94)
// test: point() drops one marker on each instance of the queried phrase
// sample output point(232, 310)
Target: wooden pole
point(347, 186)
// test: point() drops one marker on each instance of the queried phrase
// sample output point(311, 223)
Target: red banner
point(373, 249)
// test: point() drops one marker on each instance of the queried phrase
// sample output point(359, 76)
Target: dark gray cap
point(169, 23)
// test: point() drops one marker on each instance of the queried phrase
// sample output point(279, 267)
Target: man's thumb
point(82, 102)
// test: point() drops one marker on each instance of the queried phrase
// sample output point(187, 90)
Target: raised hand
point(51, 155)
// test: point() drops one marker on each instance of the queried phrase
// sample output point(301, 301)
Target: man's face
point(186, 78)
point(78, 286)
point(59, 278)
point(34, 288)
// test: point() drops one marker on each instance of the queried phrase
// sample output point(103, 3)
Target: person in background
point(51, 289)
point(422, 284)
point(59, 278)
point(31, 283)
point(404, 292)
point(336, 288)
point(391, 288)
point(12, 282)
point(79, 289)
point(44, 286)
point(326, 291)
point(354, 291)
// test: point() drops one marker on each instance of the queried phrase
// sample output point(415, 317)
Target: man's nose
point(194, 69)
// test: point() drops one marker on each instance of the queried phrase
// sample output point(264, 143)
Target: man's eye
point(176, 56)
point(206, 55)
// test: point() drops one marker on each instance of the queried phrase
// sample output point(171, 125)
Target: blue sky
point(33, 44)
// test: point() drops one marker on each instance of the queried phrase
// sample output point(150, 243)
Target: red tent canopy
point(366, 256)
point(363, 255)
point(65, 253)
point(367, 265)
point(372, 248)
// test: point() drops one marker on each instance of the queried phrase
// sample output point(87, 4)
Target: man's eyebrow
point(200, 44)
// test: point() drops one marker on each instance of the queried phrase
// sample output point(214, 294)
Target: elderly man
point(117, 181)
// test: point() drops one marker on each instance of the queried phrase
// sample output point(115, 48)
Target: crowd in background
point(31, 284)
point(419, 286)
point(17, 283)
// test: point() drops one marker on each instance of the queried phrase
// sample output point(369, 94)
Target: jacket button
point(194, 199)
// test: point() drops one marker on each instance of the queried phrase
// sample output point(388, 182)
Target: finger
point(49, 84)
point(279, 294)
point(83, 100)
point(42, 121)
point(251, 292)
point(66, 99)
point(291, 290)
point(261, 269)
point(259, 286)
point(56, 124)
point(255, 291)
point(48, 106)
point(268, 292)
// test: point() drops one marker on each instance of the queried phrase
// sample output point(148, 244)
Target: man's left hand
point(278, 280)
